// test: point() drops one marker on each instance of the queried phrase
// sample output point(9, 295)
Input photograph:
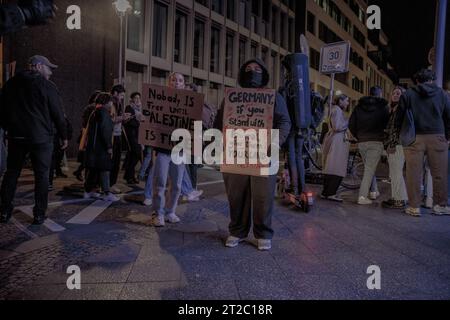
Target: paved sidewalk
point(321, 255)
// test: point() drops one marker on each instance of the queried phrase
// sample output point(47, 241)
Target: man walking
point(30, 110)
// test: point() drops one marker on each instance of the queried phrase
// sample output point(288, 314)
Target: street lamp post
point(122, 7)
point(440, 41)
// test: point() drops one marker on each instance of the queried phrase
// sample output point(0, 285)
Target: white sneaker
point(116, 190)
point(147, 202)
point(429, 203)
point(374, 195)
point(92, 195)
point(264, 244)
point(363, 201)
point(172, 218)
point(441, 211)
point(195, 195)
point(158, 221)
point(413, 212)
point(233, 242)
point(110, 198)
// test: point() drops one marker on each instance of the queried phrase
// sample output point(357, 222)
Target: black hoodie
point(369, 119)
point(281, 119)
point(431, 109)
point(31, 109)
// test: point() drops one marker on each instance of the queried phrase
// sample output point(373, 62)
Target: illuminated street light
point(122, 8)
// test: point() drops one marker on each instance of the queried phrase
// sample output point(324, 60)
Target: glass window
point(160, 30)
point(215, 50)
point(217, 6)
point(229, 55)
point(243, 21)
point(199, 44)
point(311, 23)
point(213, 93)
point(242, 51)
point(231, 10)
point(180, 37)
point(136, 25)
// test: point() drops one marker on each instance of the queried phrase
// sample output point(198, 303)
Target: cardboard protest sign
point(246, 109)
point(165, 110)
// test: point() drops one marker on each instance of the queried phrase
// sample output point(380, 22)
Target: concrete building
point(209, 40)
point(327, 21)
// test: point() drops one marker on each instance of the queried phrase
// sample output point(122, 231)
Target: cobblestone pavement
point(321, 255)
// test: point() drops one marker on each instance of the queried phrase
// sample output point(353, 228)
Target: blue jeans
point(146, 162)
point(164, 168)
point(149, 184)
point(296, 163)
point(186, 185)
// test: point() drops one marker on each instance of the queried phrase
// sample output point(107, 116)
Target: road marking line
point(23, 229)
point(89, 214)
point(50, 224)
point(209, 183)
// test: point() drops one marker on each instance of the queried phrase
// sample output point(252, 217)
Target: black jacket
point(281, 120)
point(369, 119)
point(132, 130)
point(99, 141)
point(31, 109)
point(431, 109)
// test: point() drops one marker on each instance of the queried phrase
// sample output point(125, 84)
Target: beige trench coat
point(336, 147)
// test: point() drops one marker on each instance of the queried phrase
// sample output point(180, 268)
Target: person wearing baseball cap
point(32, 115)
point(42, 65)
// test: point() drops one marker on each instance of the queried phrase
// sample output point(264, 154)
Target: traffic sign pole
point(331, 93)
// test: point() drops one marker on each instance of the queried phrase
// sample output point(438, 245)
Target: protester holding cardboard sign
point(166, 110)
point(252, 197)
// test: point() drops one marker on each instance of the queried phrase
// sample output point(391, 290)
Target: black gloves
point(36, 12)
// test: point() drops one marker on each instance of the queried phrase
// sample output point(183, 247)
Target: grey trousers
point(396, 165)
point(251, 198)
point(371, 153)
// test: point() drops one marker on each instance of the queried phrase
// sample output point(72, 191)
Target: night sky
point(410, 26)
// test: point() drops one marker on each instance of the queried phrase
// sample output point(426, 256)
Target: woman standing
point(99, 149)
point(336, 150)
point(396, 157)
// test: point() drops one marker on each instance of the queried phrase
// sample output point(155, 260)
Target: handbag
point(408, 129)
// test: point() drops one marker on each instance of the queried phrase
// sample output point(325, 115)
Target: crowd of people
point(413, 129)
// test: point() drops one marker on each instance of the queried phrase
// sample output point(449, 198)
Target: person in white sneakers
point(164, 208)
point(367, 124)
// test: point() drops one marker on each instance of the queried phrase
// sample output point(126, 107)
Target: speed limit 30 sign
point(335, 57)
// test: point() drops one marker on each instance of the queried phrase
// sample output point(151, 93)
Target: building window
point(314, 59)
point(359, 37)
point(275, 30)
point(242, 51)
point(159, 77)
point(180, 37)
point(199, 44)
point(215, 50)
point(255, 16)
point(254, 51)
point(135, 77)
point(231, 10)
point(311, 23)
point(291, 32)
point(217, 6)
point(203, 2)
point(160, 30)
point(243, 7)
point(213, 93)
point(265, 55)
point(229, 54)
point(136, 26)
point(265, 31)
point(283, 34)
point(357, 85)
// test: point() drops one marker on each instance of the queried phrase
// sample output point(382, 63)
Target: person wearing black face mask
point(252, 198)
